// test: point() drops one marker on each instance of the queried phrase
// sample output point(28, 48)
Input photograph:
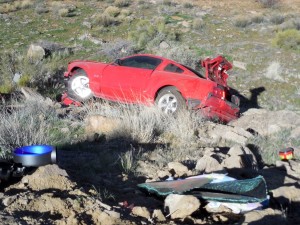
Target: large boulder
point(220, 132)
point(266, 122)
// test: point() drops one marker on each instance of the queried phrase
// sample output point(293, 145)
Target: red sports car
point(149, 79)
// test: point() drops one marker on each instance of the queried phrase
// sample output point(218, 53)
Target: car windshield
point(144, 62)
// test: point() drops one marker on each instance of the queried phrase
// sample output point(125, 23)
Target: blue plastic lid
point(34, 150)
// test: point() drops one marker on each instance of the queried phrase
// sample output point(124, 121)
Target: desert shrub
point(25, 126)
point(41, 8)
point(15, 6)
point(188, 5)
point(288, 39)
point(63, 10)
point(122, 3)
point(118, 49)
point(277, 19)
point(242, 22)
point(40, 74)
point(167, 2)
point(146, 31)
point(112, 11)
point(104, 20)
point(129, 160)
point(257, 19)
point(124, 13)
point(181, 54)
point(269, 3)
point(24, 81)
point(6, 1)
point(292, 23)
point(8, 68)
point(198, 24)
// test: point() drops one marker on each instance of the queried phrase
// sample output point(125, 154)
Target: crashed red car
point(149, 79)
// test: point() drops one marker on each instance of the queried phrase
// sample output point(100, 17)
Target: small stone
point(164, 45)
point(158, 215)
point(9, 200)
point(178, 168)
point(141, 212)
point(163, 174)
point(113, 214)
point(208, 164)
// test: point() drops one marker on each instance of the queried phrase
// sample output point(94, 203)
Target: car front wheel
point(78, 86)
point(170, 101)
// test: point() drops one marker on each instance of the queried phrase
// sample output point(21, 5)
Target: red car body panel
point(141, 85)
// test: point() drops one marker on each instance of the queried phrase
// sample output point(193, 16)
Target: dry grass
point(28, 125)
point(269, 147)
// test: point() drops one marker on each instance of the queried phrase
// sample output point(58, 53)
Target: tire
point(170, 101)
point(78, 87)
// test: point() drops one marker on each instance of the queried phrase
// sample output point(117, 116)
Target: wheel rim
point(80, 86)
point(168, 103)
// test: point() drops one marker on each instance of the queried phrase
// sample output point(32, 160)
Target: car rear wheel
point(170, 101)
point(78, 86)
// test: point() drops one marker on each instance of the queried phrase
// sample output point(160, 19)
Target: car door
point(127, 80)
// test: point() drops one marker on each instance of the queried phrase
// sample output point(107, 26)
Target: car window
point(144, 62)
point(173, 68)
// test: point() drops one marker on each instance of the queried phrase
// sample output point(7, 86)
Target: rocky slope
point(56, 194)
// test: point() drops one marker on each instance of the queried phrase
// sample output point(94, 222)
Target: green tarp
point(204, 187)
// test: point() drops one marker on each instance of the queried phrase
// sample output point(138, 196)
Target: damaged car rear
point(149, 79)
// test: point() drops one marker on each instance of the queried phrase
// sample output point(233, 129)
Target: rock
point(292, 167)
point(9, 200)
point(286, 194)
point(234, 161)
point(178, 168)
point(32, 95)
point(211, 208)
point(158, 215)
point(113, 214)
point(48, 177)
point(186, 24)
point(100, 217)
point(87, 24)
point(42, 49)
point(261, 217)
point(208, 164)
point(181, 206)
point(36, 52)
point(266, 122)
point(141, 212)
point(240, 65)
point(164, 45)
point(228, 133)
point(163, 174)
point(240, 157)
